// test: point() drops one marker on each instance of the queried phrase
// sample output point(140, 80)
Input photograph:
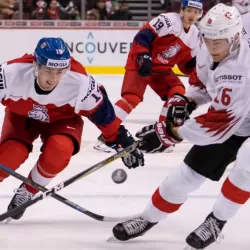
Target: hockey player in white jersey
point(46, 95)
point(222, 77)
point(243, 6)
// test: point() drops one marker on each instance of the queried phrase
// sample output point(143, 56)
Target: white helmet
point(242, 5)
point(222, 22)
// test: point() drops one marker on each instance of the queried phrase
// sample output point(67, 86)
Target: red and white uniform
point(76, 94)
point(227, 87)
point(168, 41)
point(227, 90)
point(246, 26)
point(55, 116)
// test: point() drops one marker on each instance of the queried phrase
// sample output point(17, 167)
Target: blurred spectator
point(68, 10)
point(93, 15)
point(38, 14)
point(90, 4)
point(28, 7)
point(101, 7)
point(53, 12)
point(8, 8)
point(41, 4)
point(122, 13)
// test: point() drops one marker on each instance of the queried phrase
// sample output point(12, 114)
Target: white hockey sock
point(172, 193)
point(234, 193)
point(38, 178)
point(236, 189)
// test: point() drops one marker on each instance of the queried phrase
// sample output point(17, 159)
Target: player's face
point(218, 49)
point(48, 78)
point(190, 16)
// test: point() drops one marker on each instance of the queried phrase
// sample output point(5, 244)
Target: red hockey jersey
point(168, 41)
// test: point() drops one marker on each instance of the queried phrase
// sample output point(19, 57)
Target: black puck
point(119, 176)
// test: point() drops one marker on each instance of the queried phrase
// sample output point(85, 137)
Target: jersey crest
point(171, 52)
point(39, 113)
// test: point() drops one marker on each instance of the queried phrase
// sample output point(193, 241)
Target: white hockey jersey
point(246, 26)
point(77, 93)
point(227, 87)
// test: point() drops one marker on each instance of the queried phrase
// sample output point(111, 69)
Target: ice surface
point(50, 225)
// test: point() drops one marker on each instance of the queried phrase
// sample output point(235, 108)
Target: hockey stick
point(52, 191)
point(168, 73)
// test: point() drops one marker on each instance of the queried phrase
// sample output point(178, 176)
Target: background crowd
point(93, 9)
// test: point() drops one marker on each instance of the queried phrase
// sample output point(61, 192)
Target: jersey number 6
point(225, 98)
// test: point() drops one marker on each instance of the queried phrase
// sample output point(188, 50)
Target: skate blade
point(8, 220)
point(189, 248)
point(169, 150)
point(113, 239)
point(105, 150)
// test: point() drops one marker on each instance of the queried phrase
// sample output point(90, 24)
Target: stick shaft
point(52, 192)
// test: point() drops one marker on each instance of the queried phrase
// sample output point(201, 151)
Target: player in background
point(46, 95)
point(167, 40)
point(243, 6)
point(222, 78)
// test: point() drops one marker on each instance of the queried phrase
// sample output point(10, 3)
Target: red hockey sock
point(12, 154)
point(55, 157)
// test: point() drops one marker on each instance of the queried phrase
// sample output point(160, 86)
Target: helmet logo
point(209, 21)
point(228, 15)
point(43, 45)
point(58, 64)
point(194, 4)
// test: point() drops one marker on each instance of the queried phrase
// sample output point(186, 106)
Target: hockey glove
point(156, 138)
point(179, 109)
point(144, 62)
point(123, 140)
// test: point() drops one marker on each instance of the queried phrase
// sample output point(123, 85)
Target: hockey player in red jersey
point(46, 95)
point(167, 40)
point(222, 78)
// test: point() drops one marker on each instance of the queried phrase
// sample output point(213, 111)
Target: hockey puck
point(119, 176)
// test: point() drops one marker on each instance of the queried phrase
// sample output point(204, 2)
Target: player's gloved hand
point(179, 109)
point(144, 62)
point(123, 140)
point(157, 137)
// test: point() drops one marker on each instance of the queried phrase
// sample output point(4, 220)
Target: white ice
point(50, 225)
